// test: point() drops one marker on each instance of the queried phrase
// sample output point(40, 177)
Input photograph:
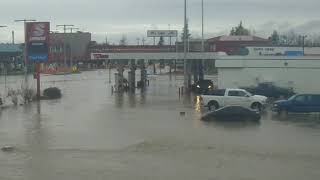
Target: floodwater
point(92, 134)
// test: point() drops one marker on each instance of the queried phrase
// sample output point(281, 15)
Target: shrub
point(52, 93)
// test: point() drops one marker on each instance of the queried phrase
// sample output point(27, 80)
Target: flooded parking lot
point(93, 134)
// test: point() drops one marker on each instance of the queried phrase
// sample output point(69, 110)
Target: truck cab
point(233, 97)
point(300, 103)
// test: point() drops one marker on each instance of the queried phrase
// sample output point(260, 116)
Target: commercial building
point(234, 45)
point(9, 51)
point(76, 45)
point(11, 57)
point(275, 50)
point(299, 73)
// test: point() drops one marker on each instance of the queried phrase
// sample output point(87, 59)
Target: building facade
point(235, 45)
point(74, 45)
point(298, 73)
point(11, 58)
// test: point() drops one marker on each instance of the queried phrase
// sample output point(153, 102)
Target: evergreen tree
point(161, 41)
point(188, 32)
point(275, 38)
point(239, 31)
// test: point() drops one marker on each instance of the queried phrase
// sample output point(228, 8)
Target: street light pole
point(169, 25)
point(65, 44)
point(303, 39)
point(71, 53)
point(201, 77)
point(25, 50)
point(185, 64)
point(5, 71)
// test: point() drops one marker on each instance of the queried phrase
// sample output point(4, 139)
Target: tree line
point(281, 39)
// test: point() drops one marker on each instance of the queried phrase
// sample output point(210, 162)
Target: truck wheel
point(256, 106)
point(213, 105)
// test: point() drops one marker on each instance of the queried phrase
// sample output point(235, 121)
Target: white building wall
point(302, 75)
point(274, 50)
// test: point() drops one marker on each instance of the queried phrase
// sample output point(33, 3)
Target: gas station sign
point(37, 40)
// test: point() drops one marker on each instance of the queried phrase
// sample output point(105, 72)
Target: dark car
point(300, 103)
point(270, 90)
point(203, 86)
point(232, 113)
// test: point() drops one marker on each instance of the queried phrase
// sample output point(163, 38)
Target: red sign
point(99, 56)
point(37, 39)
point(37, 31)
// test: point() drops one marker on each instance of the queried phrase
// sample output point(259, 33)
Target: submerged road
point(92, 134)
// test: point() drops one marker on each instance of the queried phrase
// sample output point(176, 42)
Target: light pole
point(169, 26)
point(5, 70)
point(64, 42)
point(201, 76)
point(71, 53)
point(185, 64)
point(303, 39)
point(25, 50)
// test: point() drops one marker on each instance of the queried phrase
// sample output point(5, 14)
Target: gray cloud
point(134, 17)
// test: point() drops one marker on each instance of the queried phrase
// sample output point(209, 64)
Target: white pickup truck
point(233, 97)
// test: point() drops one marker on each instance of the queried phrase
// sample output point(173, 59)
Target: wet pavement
point(92, 134)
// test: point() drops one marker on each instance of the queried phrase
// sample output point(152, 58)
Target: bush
point(52, 93)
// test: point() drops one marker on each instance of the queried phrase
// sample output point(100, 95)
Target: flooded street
point(93, 134)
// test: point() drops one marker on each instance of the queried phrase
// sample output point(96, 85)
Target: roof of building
point(10, 48)
point(237, 38)
point(131, 48)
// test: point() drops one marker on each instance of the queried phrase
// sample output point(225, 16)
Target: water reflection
point(232, 124)
point(143, 98)
point(119, 100)
point(306, 120)
point(132, 100)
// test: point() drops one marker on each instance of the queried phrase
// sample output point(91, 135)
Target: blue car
point(300, 103)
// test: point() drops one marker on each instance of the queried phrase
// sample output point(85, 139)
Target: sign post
point(37, 39)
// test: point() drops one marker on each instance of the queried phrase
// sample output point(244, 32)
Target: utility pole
point(303, 45)
point(65, 43)
point(12, 37)
point(143, 41)
point(138, 41)
point(185, 63)
point(71, 53)
point(107, 39)
point(201, 75)
point(25, 51)
point(5, 71)
point(169, 25)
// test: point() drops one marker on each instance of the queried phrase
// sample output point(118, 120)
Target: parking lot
point(92, 134)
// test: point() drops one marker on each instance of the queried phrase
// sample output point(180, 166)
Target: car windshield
point(249, 94)
point(292, 97)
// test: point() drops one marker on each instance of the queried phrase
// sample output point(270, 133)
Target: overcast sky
point(135, 17)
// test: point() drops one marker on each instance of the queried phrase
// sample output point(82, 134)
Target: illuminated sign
point(99, 56)
point(37, 40)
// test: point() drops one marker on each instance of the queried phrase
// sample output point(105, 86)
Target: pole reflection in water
point(198, 104)
point(143, 98)
point(132, 100)
point(118, 100)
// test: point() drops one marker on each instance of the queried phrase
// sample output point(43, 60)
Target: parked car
point(232, 113)
point(300, 103)
point(203, 86)
point(233, 97)
point(270, 90)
